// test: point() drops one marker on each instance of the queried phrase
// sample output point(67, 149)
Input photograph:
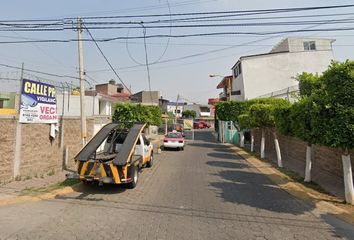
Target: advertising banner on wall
point(188, 124)
point(38, 103)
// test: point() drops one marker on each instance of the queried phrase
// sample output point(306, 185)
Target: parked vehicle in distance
point(198, 125)
point(174, 139)
point(205, 124)
point(201, 125)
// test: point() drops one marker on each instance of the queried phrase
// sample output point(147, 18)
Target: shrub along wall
point(327, 169)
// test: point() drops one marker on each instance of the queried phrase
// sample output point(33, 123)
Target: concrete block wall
point(7, 146)
point(327, 168)
point(39, 155)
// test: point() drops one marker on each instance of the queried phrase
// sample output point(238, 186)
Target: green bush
point(189, 114)
point(308, 84)
point(263, 111)
point(260, 115)
point(325, 115)
point(230, 110)
point(132, 113)
point(245, 121)
point(303, 119)
point(282, 119)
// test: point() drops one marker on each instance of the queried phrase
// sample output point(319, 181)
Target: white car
point(174, 140)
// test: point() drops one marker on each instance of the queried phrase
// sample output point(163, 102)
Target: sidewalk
point(322, 201)
point(13, 192)
point(15, 188)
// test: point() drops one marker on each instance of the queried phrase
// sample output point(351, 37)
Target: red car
point(205, 124)
point(201, 125)
point(198, 125)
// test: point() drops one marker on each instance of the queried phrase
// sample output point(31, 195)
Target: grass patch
point(40, 190)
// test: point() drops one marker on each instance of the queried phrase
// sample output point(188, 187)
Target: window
point(309, 46)
point(237, 70)
point(238, 92)
point(204, 109)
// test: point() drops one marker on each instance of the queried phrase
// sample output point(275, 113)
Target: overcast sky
point(171, 71)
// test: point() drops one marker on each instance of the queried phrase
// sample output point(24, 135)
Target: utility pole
point(176, 111)
point(82, 82)
point(18, 141)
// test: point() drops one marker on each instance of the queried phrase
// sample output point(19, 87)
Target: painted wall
point(93, 105)
point(268, 73)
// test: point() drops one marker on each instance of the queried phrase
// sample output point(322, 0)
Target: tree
point(302, 124)
point(230, 111)
point(335, 119)
point(325, 115)
point(262, 114)
point(132, 113)
point(302, 115)
point(189, 114)
point(245, 122)
point(308, 84)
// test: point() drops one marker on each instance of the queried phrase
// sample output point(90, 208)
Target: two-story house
point(226, 85)
point(274, 73)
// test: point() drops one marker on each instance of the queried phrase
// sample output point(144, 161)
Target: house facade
point(146, 98)
point(202, 111)
point(226, 86)
point(274, 73)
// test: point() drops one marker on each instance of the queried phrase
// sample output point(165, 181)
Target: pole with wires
point(147, 61)
point(82, 82)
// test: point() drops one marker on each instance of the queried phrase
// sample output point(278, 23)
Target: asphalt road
point(203, 192)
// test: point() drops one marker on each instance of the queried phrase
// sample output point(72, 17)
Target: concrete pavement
point(203, 192)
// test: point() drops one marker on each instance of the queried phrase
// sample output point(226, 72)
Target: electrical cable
point(257, 11)
point(264, 33)
point(104, 56)
point(165, 49)
point(40, 72)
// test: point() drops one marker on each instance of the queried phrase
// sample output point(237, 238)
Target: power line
point(250, 12)
point(104, 56)
point(41, 72)
point(227, 18)
point(253, 11)
point(119, 25)
point(167, 43)
point(210, 34)
point(225, 48)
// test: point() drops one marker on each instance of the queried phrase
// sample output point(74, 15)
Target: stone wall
point(39, 153)
point(326, 166)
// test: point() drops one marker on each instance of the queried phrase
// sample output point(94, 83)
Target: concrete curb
point(297, 189)
point(51, 195)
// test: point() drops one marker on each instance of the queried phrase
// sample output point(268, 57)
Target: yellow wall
point(7, 111)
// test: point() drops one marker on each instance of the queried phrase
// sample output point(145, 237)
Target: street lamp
point(215, 75)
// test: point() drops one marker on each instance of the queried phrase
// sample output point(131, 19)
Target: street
point(203, 192)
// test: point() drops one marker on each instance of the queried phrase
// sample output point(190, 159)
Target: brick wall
point(326, 162)
point(39, 154)
point(7, 147)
